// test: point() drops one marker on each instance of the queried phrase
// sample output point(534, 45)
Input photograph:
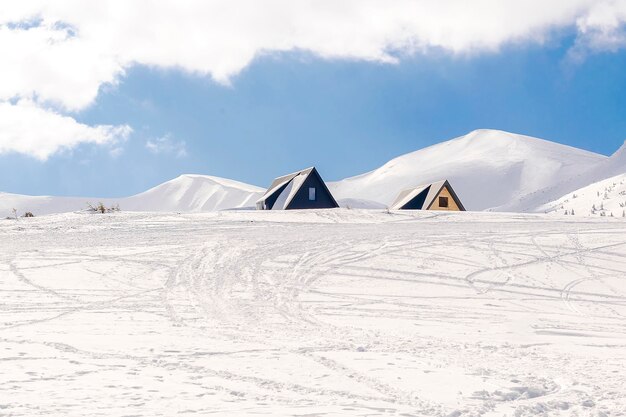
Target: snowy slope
point(487, 168)
point(195, 193)
point(312, 313)
point(562, 187)
point(603, 198)
point(189, 193)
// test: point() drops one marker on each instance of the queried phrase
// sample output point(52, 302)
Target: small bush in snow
point(101, 208)
point(28, 214)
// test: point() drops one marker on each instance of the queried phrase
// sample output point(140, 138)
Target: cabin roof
point(293, 180)
point(434, 189)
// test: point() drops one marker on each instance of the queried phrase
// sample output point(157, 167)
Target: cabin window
point(311, 193)
point(443, 201)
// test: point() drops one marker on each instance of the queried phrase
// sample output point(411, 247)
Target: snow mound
point(487, 168)
point(194, 193)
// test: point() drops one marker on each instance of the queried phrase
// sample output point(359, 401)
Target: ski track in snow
point(336, 312)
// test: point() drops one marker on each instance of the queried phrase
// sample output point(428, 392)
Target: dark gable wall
point(417, 203)
point(323, 199)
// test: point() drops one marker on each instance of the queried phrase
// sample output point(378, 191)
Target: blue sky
point(288, 110)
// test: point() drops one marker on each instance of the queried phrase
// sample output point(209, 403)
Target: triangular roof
point(288, 186)
point(433, 189)
point(280, 181)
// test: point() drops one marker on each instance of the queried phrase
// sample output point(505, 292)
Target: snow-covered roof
point(292, 181)
point(434, 189)
point(407, 195)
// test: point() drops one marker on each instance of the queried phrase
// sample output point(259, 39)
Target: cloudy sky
point(108, 98)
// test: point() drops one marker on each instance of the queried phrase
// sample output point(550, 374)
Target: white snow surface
point(351, 203)
point(316, 312)
point(486, 168)
point(188, 193)
point(563, 187)
point(603, 198)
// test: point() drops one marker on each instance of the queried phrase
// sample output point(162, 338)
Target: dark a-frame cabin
point(299, 190)
point(435, 196)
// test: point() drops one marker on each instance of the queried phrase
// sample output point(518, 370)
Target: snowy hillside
point(562, 187)
point(189, 193)
point(603, 198)
point(192, 193)
point(312, 313)
point(487, 168)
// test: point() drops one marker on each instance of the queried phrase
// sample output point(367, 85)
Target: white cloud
point(60, 53)
point(31, 130)
point(77, 45)
point(167, 145)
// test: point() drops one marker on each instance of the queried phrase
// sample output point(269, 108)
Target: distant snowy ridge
point(187, 193)
point(546, 197)
point(603, 198)
point(487, 168)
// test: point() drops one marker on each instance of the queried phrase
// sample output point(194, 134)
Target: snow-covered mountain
point(188, 193)
point(487, 168)
point(602, 198)
point(545, 198)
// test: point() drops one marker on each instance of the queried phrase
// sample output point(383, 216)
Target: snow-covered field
point(336, 312)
